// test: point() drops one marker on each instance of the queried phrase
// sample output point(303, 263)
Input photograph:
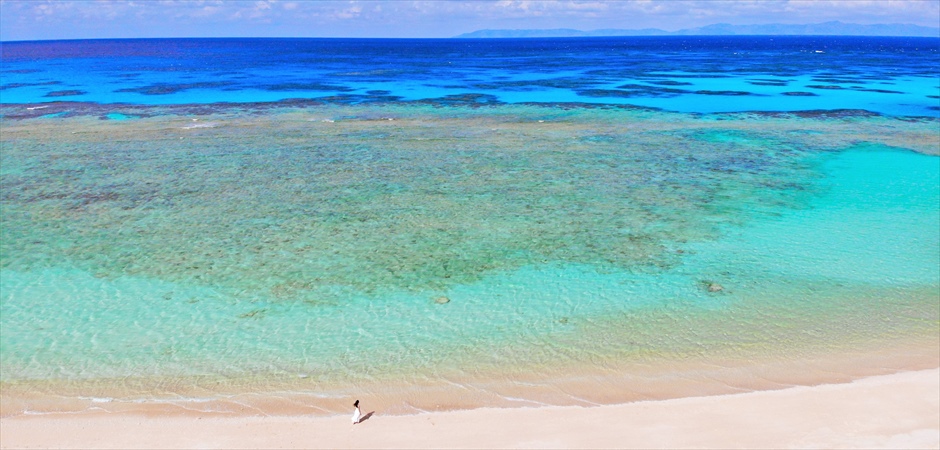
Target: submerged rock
point(711, 286)
point(442, 300)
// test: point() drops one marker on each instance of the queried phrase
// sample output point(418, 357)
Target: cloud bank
point(71, 19)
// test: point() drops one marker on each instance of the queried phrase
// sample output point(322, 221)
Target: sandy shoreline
point(890, 411)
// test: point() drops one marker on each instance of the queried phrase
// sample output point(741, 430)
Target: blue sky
point(69, 19)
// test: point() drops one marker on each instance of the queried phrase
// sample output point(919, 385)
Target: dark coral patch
point(609, 93)
point(463, 99)
point(669, 83)
point(768, 83)
point(17, 85)
point(825, 86)
point(880, 91)
point(735, 93)
point(352, 99)
point(65, 93)
point(838, 80)
point(800, 94)
point(22, 71)
point(167, 88)
point(653, 90)
point(696, 75)
point(557, 83)
point(310, 86)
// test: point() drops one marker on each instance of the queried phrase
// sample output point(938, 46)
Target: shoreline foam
point(626, 382)
point(901, 410)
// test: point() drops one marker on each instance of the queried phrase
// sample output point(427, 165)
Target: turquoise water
point(461, 223)
point(318, 245)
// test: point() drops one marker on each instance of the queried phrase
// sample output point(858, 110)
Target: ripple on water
point(279, 245)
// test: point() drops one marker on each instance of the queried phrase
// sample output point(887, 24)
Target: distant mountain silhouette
point(826, 28)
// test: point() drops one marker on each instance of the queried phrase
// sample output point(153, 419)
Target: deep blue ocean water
point(889, 75)
point(279, 224)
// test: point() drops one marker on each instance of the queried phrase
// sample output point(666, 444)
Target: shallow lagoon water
point(314, 245)
point(439, 251)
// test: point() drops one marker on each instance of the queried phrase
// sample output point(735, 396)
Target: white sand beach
point(891, 411)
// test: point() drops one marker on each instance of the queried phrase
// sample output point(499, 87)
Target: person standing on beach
point(356, 414)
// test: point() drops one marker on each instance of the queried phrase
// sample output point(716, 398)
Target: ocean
point(263, 226)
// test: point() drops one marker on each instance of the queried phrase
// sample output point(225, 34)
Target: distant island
point(825, 28)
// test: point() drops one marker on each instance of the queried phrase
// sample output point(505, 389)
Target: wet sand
point(890, 411)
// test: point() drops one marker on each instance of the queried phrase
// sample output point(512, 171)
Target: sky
point(87, 19)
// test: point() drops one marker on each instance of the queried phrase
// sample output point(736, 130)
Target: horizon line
point(458, 38)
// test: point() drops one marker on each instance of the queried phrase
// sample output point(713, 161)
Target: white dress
point(356, 416)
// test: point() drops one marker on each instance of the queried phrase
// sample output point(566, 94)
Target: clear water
point(888, 75)
point(208, 250)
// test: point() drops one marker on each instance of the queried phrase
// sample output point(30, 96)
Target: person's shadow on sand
point(366, 417)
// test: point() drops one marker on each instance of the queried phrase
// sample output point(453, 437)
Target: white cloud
point(347, 13)
point(43, 19)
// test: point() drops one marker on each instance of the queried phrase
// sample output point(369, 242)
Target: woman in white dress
point(356, 414)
